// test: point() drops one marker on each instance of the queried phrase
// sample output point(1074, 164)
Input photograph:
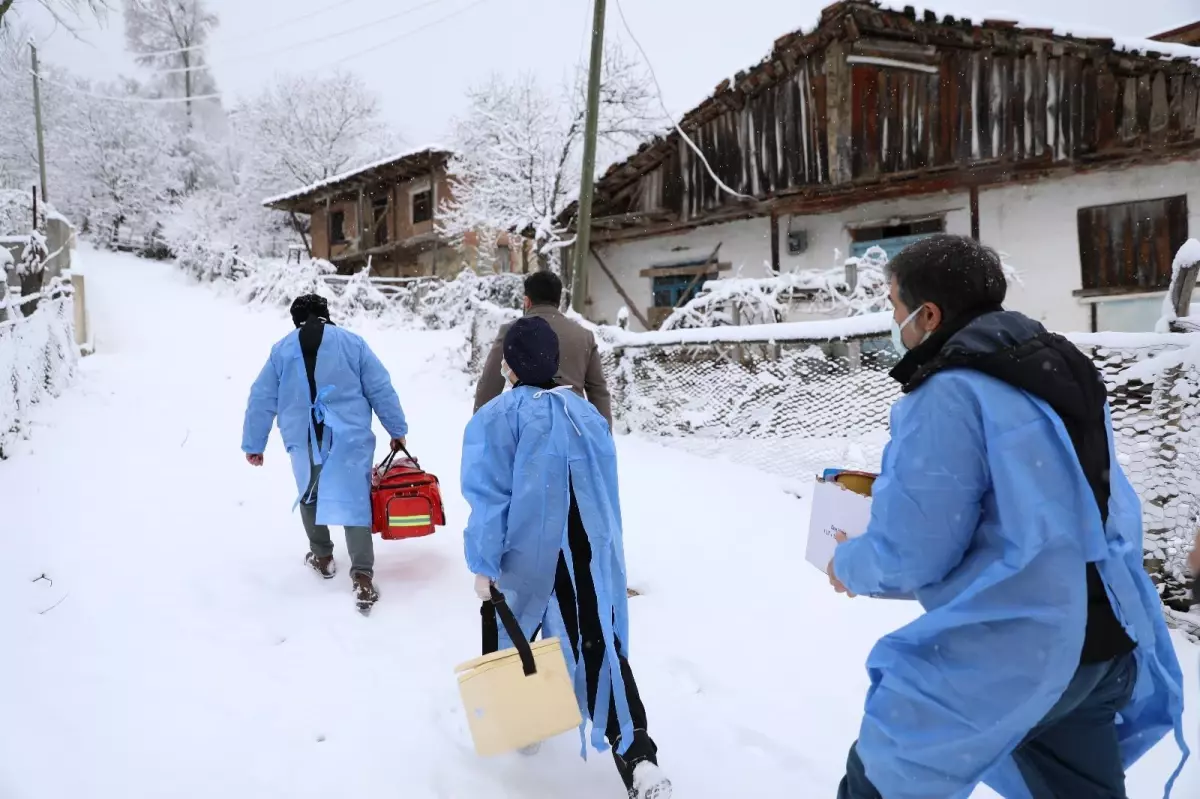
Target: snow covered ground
point(182, 650)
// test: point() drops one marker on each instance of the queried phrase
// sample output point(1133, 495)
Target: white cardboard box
point(834, 510)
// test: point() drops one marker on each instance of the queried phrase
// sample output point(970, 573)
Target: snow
point(1130, 44)
point(330, 181)
point(177, 646)
point(1188, 256)
point(822, 330)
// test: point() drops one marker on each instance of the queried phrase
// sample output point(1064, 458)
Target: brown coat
point(579, 363)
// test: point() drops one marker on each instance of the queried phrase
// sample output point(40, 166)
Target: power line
point(407, 34)
point(255, 34)
point(219, 95)
point(663, 104)
point(305, 43)
point(122, 99)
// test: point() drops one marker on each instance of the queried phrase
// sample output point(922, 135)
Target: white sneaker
point(531, 750)
point(649, 782)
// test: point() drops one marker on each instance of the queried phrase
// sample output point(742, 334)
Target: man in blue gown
point(1042, 664)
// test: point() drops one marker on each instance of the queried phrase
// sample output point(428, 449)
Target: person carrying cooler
point(539, 470)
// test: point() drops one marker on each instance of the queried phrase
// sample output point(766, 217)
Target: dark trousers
point(1072, 753)
point(581, 617)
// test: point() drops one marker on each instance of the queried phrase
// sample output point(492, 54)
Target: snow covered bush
point(276, 282)
point(765, 300)
point(359, 297)
point(38, 358)
point(453, 303)
point(16, 212)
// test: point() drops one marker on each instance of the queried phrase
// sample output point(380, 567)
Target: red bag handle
point(387, 462)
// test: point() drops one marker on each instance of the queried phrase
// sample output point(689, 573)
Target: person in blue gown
point(1042, 664)
point(539, 470)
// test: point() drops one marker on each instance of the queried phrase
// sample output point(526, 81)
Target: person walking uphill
point(579, 364)
point(1042, 665)
point(539, 470)
point(322, 383)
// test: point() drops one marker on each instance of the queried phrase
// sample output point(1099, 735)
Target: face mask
point(504, 370)
point(898, 329)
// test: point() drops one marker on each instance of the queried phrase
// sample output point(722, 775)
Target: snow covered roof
point(1133, 45)
point(1188, 33)
point(400, 166)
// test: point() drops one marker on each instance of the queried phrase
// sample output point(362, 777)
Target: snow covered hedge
point(423, 303)
point(37, 355)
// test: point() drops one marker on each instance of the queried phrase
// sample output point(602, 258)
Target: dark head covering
point(309, 305)
point(531, 351)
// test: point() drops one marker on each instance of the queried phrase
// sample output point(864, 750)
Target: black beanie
point(309, 305)
point(531, 350)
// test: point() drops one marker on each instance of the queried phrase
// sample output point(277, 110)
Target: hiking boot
point(649, 782)
point(322, 566)
point(365, 593)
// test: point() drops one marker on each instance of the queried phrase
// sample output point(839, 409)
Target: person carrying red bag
point(322, 383)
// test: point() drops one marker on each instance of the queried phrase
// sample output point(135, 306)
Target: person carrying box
point(1042, 665)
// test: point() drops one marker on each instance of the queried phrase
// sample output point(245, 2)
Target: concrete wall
point(1033, 226)
point(746, 246)
point(1036, 228)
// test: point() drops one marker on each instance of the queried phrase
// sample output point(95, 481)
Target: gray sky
point(421, 75)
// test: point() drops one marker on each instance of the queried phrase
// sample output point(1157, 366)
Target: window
point(671, 291)
point(379, 215)
point(503, 259)
point(893, 238)
point(422, 206)
point(1129, 247)
point(337, 227)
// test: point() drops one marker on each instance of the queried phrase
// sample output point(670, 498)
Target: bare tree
point(170, 36)
point(518, 149)
point(65, 12)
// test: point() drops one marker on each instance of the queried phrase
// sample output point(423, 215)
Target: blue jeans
point(1072, 753)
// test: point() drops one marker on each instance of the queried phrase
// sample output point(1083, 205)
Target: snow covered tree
point(64, 12)
point(123, 167)
point(170, 36)
point(301, 129)
point(519, 146)
point(305, 128)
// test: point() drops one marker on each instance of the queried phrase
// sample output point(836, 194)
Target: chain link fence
point(797, 406)
point(794, 405)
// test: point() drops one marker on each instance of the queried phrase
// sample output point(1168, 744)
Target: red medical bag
point(406, 502)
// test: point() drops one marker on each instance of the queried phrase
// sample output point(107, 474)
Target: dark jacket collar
point(919, 358)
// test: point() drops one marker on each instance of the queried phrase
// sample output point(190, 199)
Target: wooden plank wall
point(776, 140)
point(1036, 105)
point(985, 107)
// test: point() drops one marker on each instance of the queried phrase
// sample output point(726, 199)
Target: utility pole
point(37, 116)
point(583, 236)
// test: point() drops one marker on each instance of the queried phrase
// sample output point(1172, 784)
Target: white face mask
point(508, 373)
point(898, 330)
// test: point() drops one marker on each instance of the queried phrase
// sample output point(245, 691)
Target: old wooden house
point(1073, 154)
point(386, 213)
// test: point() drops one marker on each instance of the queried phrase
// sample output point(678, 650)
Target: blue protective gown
point(522, 453)
point(982, 512)
point(351, 382)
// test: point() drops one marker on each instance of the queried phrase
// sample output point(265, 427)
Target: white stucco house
point(1074, 155)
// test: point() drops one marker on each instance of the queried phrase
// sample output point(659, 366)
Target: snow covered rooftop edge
point(356, 171)
point(1133, 45)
